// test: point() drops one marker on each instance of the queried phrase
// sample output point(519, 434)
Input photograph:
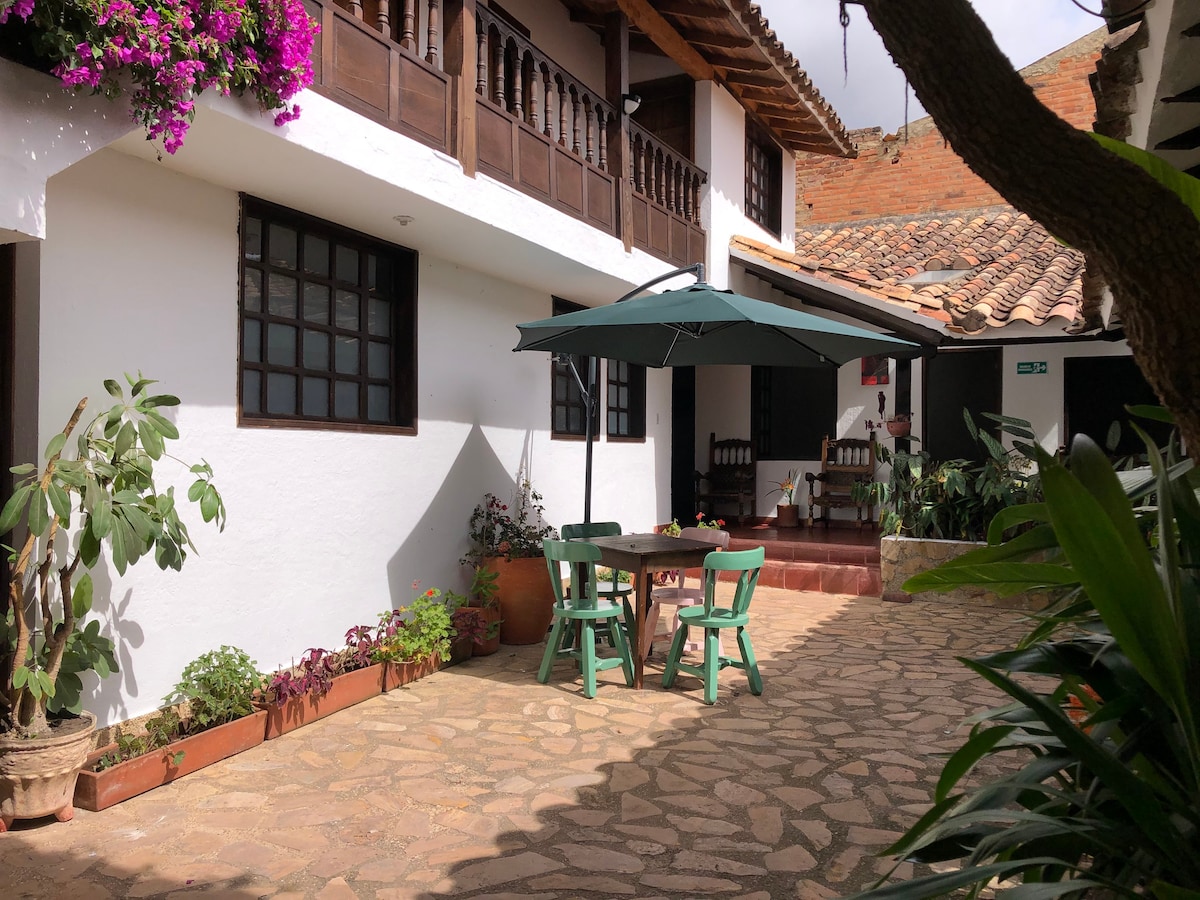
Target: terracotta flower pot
point(526, 598)
point(100, 790)
point(398, 674)
point(37, 777)
point(787, 515)
point(491, 615)
point(346, 690)
point(898, 427)
point(460, 650)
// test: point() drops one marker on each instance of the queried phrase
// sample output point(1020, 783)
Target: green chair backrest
point(586, 530)
point(582, 558)
point(748, 562)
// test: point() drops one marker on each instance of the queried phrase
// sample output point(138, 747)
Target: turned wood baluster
point(382, 20)
point(518, 79)
point(548, 91)
point(679, 189)
point(535, 90)
point(669, 165)
point(602, 124)
point(639, 166)
point(589, 140)
point(408, 25)
point(660, 186)
point(356, 9)
point(431, 52)
point(481, 58)
point(498, 72)
point(562, 112)
point(696, 199)
point(687, 194)
point(651, 167)
point(575, 146)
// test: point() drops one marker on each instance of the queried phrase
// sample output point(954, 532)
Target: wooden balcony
point(483, 92)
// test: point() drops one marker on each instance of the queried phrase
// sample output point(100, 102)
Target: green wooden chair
point(613, 590)
point(585, 607)
point(713, 618)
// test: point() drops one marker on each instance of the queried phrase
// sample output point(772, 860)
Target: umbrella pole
point(588, 407)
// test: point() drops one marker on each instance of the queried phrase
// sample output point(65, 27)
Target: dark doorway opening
point(8, 290)
point(956, 380)
point(1096, 390)
point(683, 443)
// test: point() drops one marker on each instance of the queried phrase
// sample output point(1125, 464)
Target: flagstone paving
point(479, 782)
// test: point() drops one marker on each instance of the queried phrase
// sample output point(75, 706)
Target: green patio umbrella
point(700, 325)
point(696, 326)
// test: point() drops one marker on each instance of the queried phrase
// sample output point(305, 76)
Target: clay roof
point(730, 41)
point(1012, 269)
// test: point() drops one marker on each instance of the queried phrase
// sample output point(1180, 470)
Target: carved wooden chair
point(844, 463)
point(732, 470)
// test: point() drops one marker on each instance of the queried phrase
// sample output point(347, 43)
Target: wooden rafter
point(738, 64)
point(689, 10)
point(660, 31)
point(753, 81)
point(712, 39)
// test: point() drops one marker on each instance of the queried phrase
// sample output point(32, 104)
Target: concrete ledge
point(902, 557)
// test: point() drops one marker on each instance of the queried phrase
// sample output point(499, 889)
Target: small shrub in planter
point(216, 692)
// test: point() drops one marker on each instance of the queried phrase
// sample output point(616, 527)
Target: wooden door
point(954, 380)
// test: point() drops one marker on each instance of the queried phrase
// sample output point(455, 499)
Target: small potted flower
point(506, 539)
point(787, 513)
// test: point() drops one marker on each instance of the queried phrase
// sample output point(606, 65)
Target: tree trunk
point(1134, 231)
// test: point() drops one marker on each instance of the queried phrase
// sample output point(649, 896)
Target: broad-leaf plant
point(103, 495)
point(1100, 744)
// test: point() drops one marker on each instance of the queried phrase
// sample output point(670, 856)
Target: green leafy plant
point(160, 730)
point(417, 632)
point(701, 522)
point(957, 498)
point(512, 530)
point(109, 483)
point(219, 686)
point(672, 530)
point(1103, 796)
point(483, 591)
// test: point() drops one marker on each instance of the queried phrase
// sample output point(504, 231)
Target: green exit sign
point(1032, 368)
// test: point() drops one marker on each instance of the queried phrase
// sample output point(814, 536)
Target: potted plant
point(413, 639)
point(321, 683)
point(216, 694)
point(507, 539)
point(482, 599)
point(46, 644)
point(787, 513)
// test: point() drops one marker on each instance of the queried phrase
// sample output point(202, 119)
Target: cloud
point(872, 90)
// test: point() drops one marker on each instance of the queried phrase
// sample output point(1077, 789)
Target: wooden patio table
point(642, 554)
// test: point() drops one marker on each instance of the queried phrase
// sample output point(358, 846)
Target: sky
point(873, 94)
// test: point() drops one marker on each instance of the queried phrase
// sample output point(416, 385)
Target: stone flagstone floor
point(479, 782)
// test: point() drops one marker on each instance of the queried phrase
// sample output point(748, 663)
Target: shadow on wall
point(476, 470)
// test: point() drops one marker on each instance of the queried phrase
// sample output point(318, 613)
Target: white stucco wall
point(326, 528)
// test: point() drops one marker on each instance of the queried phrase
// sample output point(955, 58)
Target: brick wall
point(923, 175)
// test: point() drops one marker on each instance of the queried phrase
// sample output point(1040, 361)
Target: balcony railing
point(492, 98)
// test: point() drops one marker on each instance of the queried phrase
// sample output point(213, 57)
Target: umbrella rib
point(821, 356)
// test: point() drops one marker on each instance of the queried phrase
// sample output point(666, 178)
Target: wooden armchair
point(844, 463)
point(731, 475)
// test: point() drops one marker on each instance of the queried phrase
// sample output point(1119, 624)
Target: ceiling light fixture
point(403, 220)
point(630, 103)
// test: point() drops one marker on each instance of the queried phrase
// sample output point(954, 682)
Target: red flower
point(700, 517)
point(720, 522)
point(431, 593)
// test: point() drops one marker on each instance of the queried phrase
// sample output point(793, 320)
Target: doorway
point(683, 443)
point(956, 380)
point(8, 290)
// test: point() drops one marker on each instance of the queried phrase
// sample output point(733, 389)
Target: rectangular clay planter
point(346, 690)
point(396, 674)
point(100, 790)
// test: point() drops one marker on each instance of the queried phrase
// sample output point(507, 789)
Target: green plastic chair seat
point(583, 610)
point(712, 618)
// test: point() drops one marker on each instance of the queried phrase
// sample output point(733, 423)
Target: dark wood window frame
point(630, 378)
point(566, 401)
point(764, 179)
point(364, 341)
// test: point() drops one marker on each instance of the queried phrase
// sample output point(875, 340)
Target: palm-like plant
point(1104, 795)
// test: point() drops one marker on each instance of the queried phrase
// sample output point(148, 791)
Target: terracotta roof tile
point(1013, 270)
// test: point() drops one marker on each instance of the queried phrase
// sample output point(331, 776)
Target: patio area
point(480, 782)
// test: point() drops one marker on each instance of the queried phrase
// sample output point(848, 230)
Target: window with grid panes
point(567, 407)
point(327, 322)
point(764, 180)
point(626, 400)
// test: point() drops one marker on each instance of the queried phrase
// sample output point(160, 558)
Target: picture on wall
point(874, 370)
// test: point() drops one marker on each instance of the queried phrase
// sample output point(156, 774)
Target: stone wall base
point(903, 557)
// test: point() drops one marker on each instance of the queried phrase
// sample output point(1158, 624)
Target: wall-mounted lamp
point(630, 103)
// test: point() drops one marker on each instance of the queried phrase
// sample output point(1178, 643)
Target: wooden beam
point(616, 85)
point(737, 64)
point(771, 98)
point(712, 39)
point(459, 53)
point(689, 10)
point(659, 30)
point(762, 81)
